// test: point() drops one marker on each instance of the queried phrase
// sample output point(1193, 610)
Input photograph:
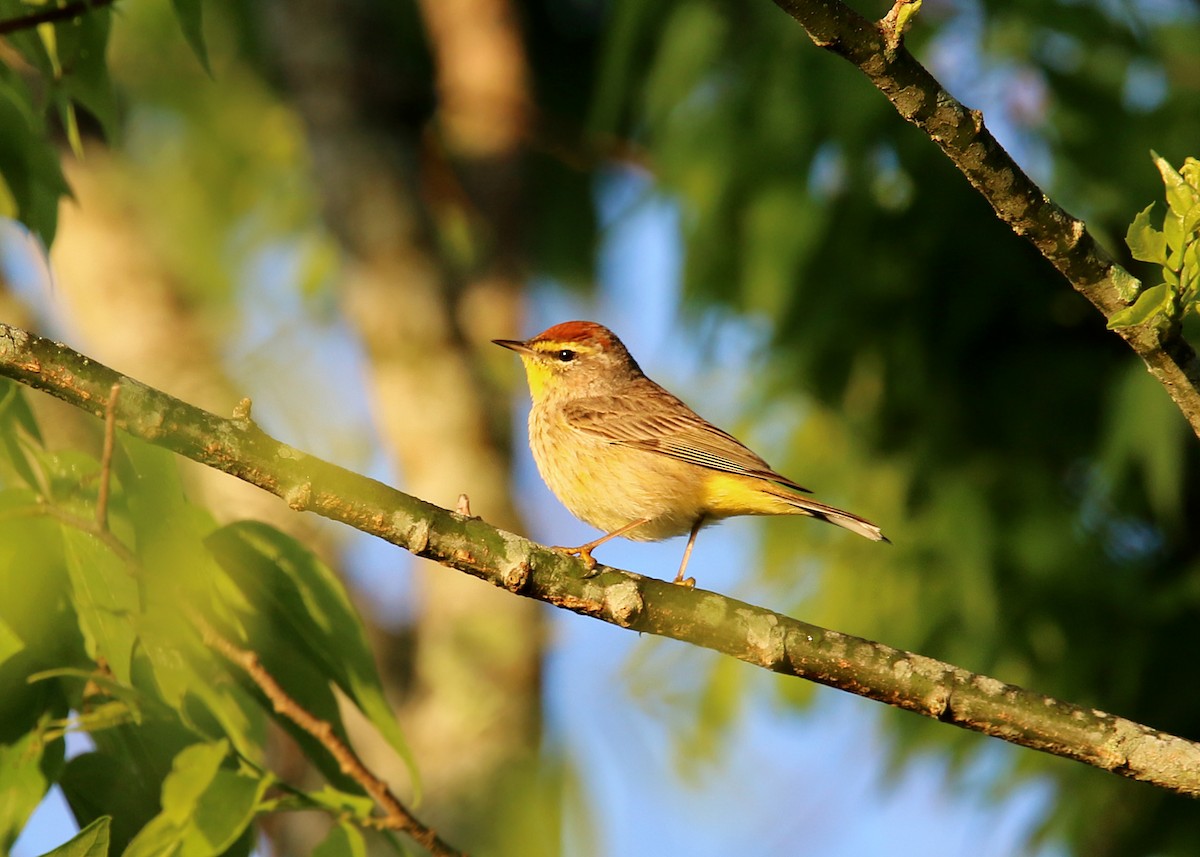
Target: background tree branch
point(878, 51)
point(752, 634)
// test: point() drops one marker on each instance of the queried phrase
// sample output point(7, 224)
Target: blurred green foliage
point(99, 635)
point(1037, 484)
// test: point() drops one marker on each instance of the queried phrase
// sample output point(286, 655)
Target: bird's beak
point(514, 345)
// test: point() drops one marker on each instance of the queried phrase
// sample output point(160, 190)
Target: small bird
point(629, 458)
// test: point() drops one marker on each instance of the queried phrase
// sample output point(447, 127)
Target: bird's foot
point(584, 552)
point(686, 582)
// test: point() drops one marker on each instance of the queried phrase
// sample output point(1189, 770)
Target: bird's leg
point(689, 582)
point(584, 551)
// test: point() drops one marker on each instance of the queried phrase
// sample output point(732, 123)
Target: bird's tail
point(833, 515)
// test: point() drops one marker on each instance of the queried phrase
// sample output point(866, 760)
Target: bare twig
point(57, 13)
point(1064, 240)
point(106, 454)
point(396, 815)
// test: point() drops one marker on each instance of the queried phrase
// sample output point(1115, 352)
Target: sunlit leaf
point(1191, 220)
point(340, 801)
point(92, 841)
point(1181, 196)
point(1145, 242)
point(1174, 235)
point(310, 613)
point(1154, 302)
point(344, 840)
point(205, 808)
point(106, 597)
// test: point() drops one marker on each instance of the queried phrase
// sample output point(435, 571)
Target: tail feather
point(833, 515)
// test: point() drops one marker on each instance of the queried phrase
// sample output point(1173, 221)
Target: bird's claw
point(584, 553)
point(685, 582)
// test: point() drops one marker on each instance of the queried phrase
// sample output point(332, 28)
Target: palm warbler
point(632, 460)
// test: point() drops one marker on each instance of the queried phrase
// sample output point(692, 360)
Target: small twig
point(397, 816)
point(464, 506)
point(106, 454)
point(59, 13)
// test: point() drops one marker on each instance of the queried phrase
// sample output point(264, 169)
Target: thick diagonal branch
point(753, 634)
point(960, 133)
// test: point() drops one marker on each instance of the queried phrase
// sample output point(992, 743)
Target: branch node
point(896, 22)
point(241, 411)
point(623, 602)
point(299, 497)
point(517, 577)
point(417, 537)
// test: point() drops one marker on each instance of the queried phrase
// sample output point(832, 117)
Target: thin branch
point(106, 454)
point(752, 634)
point(58, 13)
point(878, 51)
point(397, 816)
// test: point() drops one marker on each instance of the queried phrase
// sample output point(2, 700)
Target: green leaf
point(344, 840)
point(1191, 220)
point(309, 614)
point(224, 811)
point(1180, 195)
point(1155, 301)
point(15, 412)
point(82, 47)
point(339, 801)
point(190, 14)
point(1145, 242)
point(92, 841)
point(22, 784)
point(106, 598)
point(177, 570)
point(122, 780)
point(205, 808)
point(29, 161)
point(1173, 233)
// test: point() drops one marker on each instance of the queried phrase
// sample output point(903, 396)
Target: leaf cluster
point(99, 637)
point(55, 70)
point(1175, 249)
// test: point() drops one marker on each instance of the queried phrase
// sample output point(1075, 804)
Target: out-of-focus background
point(361, 195)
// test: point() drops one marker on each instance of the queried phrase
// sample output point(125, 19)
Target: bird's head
point(575, 358)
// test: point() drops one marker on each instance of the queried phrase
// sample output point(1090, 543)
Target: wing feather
point(672, 429)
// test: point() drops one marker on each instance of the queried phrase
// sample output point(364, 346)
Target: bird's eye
point(566, 355)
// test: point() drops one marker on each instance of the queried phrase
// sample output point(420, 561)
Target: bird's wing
point(672, 429)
